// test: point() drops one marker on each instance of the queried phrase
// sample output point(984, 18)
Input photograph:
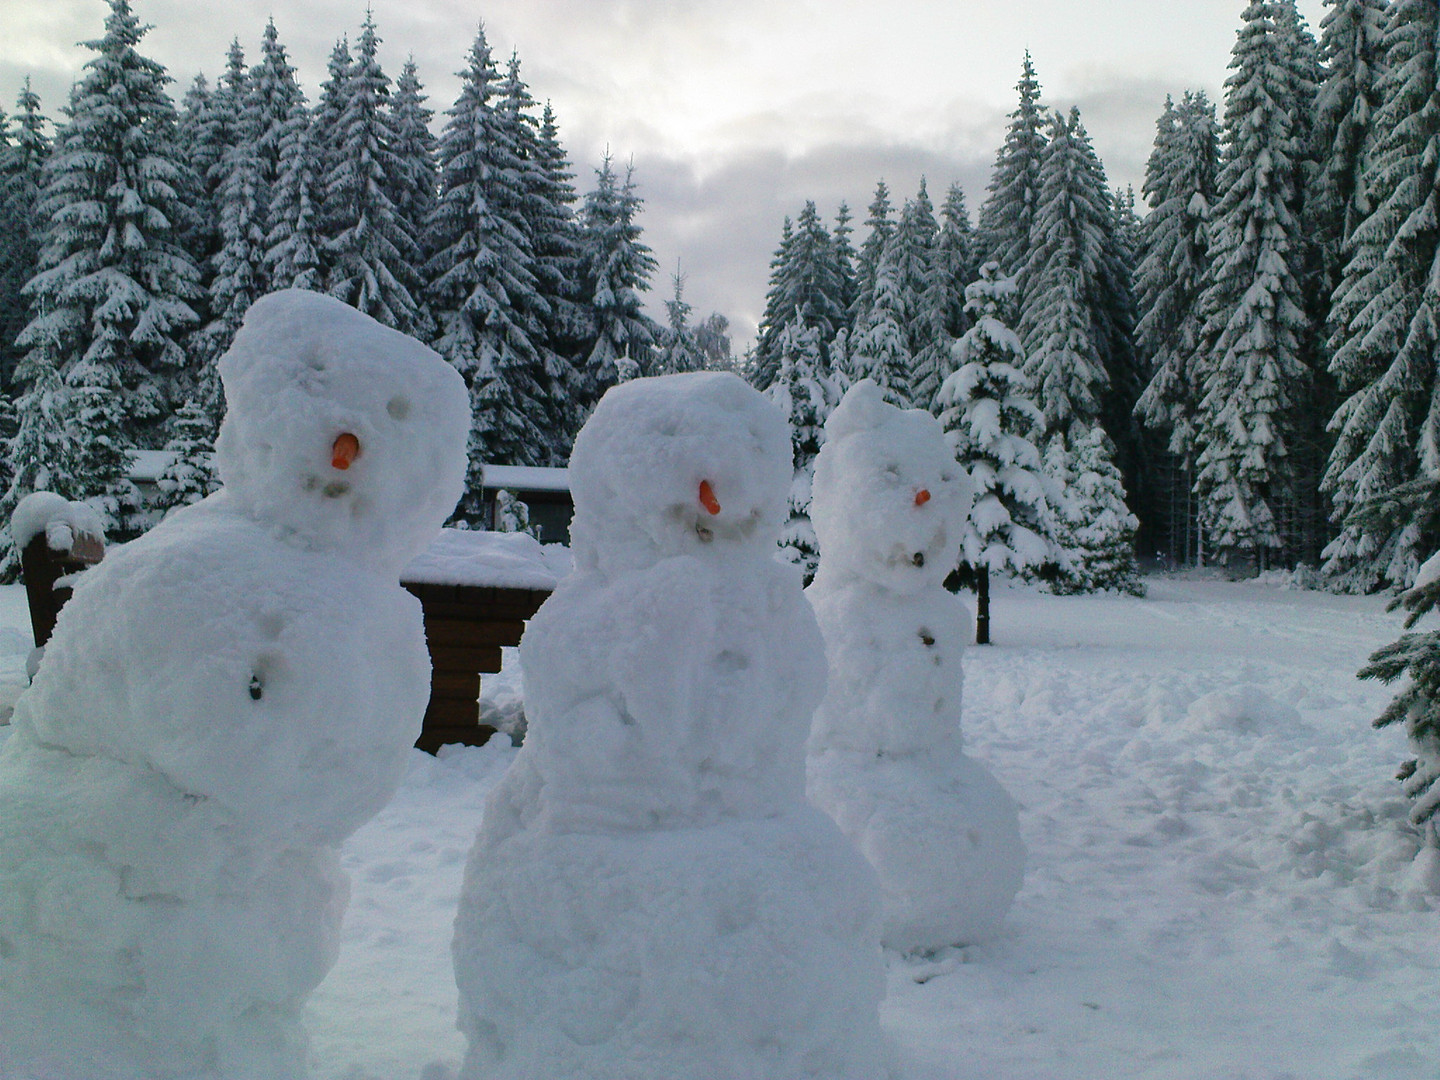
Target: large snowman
point(650, 895)
point(885, 757)
point(224, 701)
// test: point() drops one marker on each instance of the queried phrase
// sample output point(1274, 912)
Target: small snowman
point(650, 895)
point(884, 756)
point(223, 701)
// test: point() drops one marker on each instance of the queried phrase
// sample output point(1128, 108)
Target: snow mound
point(649, 895)
point(500, 560)
point(885, 756)
point(943, 838)
point(1241, 710)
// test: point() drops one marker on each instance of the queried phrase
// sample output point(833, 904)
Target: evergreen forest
point(1235, 365)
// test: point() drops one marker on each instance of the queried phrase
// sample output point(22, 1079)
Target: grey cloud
point(1120, 114)
point(722, 225)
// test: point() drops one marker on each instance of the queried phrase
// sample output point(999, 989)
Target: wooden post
point(41, 566)
point(982, 605)
point(465, 628)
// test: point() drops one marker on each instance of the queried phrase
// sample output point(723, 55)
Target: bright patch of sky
point(734, 112)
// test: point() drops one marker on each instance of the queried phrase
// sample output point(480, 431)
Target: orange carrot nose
point(344, 451)
point(922, 496)
point(707, 497)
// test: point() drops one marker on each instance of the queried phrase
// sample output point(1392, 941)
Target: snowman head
point(889, 497)
point(340, 433)
point(695, 464)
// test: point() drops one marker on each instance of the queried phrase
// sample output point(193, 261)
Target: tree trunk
point(982, 605)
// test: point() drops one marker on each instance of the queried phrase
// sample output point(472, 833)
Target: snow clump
point(650, 896)
point(885, 751)
point(61, 520)
point(223, 702)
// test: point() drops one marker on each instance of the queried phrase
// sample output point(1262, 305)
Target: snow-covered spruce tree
point(556, 239)
point(1174, 244)
point(113, 289)
point(954, 263)
point(712, 336)
point(1098, 531)
point(546, 214)
point(1386, 321)
point(807, 394)
point(1074, 250)
point(986, 409)
point(1305, 518)
point(1336, 202)
point(880, 347)
point(416, 182)
point(844, 364)
point(679, 350)
point(845, 257)
point(23, 152)
point(93, 405)
point(482, 283)
point(235, 273)
point(206, 130)
point(1416, 656)
point(1014, 188)
point(272, 96)
point(371, 256)
point(1060, 314)
point(1351, 50)
point(324, 137)
point(615, 269)
point(879, 228)
point(805, 276)
point(189, 474)
point(292, 245)
point(1068, 323)
point(1127, 224)
point(764, 356)
point(911, 256)
point(197, 234)
point(44, 454)
point(9, 429)
point(1256, 328)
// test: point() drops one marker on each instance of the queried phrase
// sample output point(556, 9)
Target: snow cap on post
point(340, 433)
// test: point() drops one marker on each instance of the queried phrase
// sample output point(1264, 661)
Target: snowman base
point(727, 951)
point(943, 838)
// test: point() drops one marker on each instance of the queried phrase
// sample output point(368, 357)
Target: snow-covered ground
point(1219, 887)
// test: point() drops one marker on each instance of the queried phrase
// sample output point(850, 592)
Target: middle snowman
point(650, 895)
point(885, 757)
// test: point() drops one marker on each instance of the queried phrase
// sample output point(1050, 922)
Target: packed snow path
point(1217, 886)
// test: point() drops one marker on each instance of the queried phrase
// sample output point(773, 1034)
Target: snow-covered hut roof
point(526, 478)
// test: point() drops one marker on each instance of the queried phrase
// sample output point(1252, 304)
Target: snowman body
point(885, 755)
point(650, 896)
point(224, 701)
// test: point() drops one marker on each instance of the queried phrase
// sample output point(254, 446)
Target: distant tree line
point(132, 244)
point(1255, 356)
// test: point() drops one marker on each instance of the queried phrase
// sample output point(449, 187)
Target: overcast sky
point(734, 111)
